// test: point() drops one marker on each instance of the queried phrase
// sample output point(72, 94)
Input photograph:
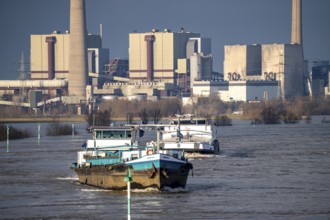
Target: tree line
point(268, 112)
point(272, 111)
point(220, 113)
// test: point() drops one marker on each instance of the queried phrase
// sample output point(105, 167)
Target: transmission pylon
point(22, 77)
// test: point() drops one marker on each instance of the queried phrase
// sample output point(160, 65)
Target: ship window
point(98, 134)
point(190, 122)
point(134, 156)
point(106, 134)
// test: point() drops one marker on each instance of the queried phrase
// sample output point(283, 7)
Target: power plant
point(283, 63)
point(59, 63)
point(164, 57)
point(74, 68)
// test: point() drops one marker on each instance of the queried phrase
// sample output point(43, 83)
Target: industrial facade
point(270, 62)
point(284, 63)
point(198, 45)
point(320, 79)
point(242, 62)
point(153, 55)
point(237, 91)
point(281, 63)
point(126, 89)
point(41, 53)
point(117, 67)
point(201, 68)
point(97, 59)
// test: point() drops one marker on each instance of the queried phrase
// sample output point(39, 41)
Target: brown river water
point(263, 172)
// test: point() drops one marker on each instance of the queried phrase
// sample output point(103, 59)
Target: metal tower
point(22, 77)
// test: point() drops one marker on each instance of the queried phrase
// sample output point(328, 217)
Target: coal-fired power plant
point(296, 32)
point(78, 51)
point(73, 67)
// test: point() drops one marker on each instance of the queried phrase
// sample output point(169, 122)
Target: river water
point(263, 172)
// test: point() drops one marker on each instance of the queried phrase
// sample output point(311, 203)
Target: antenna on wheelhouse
point(158, 137)
point(179, 134)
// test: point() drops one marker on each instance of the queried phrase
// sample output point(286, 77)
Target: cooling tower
point(296, 31)
point(78, 52)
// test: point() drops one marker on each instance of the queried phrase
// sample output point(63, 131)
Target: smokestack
point(101, 31)
point(78, 52)
point(51, 56)
point(150, 56)
point(296, 29)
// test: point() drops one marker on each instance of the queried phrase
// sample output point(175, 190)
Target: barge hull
point(112, 177)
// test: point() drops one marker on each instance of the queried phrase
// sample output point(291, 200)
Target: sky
point(226, 22)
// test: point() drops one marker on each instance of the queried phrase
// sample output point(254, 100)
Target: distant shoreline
point(79, 118)
point(50, 119)
point(43, 119)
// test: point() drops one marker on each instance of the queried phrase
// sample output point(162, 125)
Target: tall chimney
point(296, 29)
point(150, 56)
point(51, 56)
point(78, 51)
point(101, 31)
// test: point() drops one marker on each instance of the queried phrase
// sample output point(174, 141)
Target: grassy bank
point(29, 119)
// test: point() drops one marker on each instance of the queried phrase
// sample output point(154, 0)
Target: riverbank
point(43, 119)
point(77, 118)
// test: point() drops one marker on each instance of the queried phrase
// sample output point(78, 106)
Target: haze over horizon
point(226, 22)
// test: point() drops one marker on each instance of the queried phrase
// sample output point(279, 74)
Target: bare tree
point(129, 117)
point(155, 114)
point(143, 114)
point(101, 118)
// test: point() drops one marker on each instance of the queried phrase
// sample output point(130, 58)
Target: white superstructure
point(189, 134)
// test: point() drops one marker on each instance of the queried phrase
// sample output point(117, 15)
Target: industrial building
point(61, 65)
point(281, 63)
point(97, 59)
point(153, 55)
point(284, 63)
point(320, 78)
point(50, 70)
point(237, 91)
point(117, 67)
point(165, 57)
point(49, 55)
point(201, 68)
point(73, 65)
point(242, 62)
point(129, 89)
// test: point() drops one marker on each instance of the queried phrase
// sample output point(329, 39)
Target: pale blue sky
point(225, 21)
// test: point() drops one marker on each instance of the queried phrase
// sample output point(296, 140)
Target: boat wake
point(163, 190)
point(197, 155)
point(146, 190)
point(174, 190)
point(95, 190)
point(221, 155)
point(68, 178)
